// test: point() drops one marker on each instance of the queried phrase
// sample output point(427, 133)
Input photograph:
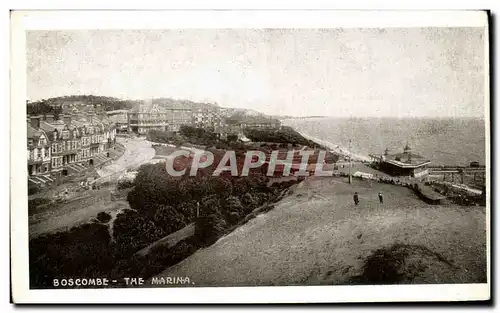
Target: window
point(30, 142)
point(38, 153)
point(47, 153)
point(54, 148)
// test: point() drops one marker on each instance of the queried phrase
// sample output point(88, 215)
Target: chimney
point(35, 121)
point(67, 119)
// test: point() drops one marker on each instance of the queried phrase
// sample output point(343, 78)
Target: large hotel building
point(149, 116)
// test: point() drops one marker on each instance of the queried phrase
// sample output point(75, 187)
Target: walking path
point(137, 152)
point(72, 213)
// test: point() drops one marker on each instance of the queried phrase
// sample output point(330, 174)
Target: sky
point(370, 72)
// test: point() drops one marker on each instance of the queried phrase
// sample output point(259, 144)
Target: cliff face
point(317, 236)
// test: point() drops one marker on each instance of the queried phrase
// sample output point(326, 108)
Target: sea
point(445, 141)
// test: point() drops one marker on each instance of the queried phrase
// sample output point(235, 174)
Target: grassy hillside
point(316, 236)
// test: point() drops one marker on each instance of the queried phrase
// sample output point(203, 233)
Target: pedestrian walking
point(355, 198)
point(380, 197)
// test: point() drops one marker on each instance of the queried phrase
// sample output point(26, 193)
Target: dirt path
point(137, 152)
point(74, 212)
point(317, 236)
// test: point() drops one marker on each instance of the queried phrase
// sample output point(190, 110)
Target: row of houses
point(148, 117)
point(72, 143)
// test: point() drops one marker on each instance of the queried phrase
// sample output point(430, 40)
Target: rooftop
point(33, 133)
point(405, 158)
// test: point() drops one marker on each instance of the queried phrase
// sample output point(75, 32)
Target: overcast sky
point(336, 72)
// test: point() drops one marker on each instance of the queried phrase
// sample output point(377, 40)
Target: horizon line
point(268, 114)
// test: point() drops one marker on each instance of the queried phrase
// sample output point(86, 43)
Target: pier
point(471, 176)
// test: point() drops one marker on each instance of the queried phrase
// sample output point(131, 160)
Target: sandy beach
point(338, 149)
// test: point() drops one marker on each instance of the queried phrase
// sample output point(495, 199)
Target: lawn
point(317, 236)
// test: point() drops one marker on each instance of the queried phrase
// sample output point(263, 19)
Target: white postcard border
point(22, 21)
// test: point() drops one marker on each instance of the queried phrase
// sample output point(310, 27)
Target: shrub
point(241, 186)
point(168, 218)
point(188, 209)
point(220, 186)
point(209, 228)
point(233, 209)
point(81, 251)
point(232, 137)
point(221, 145)
point(125, 184)
point(133, 231)
point(103, 217)
point(249, 202)
point(32, 189)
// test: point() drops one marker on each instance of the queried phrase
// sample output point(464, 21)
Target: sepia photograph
point(231, 153)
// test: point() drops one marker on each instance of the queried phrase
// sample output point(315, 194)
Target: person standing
point(380, 197)
point(355, 198)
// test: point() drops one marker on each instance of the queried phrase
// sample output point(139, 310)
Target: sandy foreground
point(316, 236)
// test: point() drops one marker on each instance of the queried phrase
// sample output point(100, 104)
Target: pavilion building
point(406, 163)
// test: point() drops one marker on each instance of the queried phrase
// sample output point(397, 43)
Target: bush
point(241, 186)
point(38, 204)
point(249, 202)
point(82, 251)
point(222, 145)
point(220, 186)
point(169, 219)
point(103, 217)
point(232, 138)
point(32, 189)
point(133, 231)
point(285, 135)
point(233, 209)
point(209, 228)
point(198, 136)
point(188, 209)
point(125, 184)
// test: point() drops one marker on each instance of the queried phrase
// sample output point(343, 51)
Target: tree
point(232, 137)
point(233, 209)
point(103, 217)
point(188, 209)
point(249, 202)
point(154, 185)
point(220, 186)
point(168, 218)
point(241, 186)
